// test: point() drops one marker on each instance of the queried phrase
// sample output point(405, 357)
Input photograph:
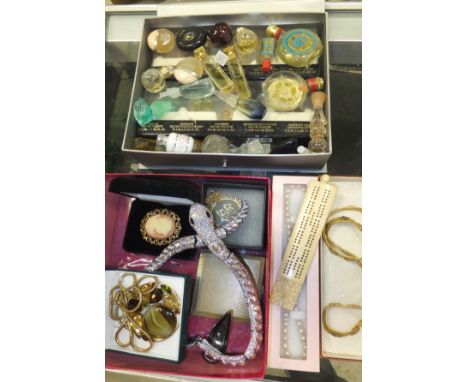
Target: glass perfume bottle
point(284, 91)
point(318, 125)
point(237, 73)
point(161, 41)
point(176, 143)
point(287, 91)
point(220, 79)
point(144, 113)
point(287, 146)
point(154, 79)
point(297, 47)
point(189, 39)
point(215, 143)
point(267, 53)
point(249, 107)
point(199, 89)
point(220, 33)
point(188, 70)
point(246, 41)
point(144, 143)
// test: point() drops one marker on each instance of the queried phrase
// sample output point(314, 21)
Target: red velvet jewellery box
point(118, 208)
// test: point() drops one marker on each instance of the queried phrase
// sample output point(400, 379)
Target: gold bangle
point(355, 329)
point(332, 246)
point(160, 227)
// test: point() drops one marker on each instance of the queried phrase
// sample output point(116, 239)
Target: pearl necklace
point(287, 316)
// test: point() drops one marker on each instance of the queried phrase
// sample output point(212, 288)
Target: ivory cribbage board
point(304, 240)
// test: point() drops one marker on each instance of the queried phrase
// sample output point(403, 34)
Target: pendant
point(219, 335)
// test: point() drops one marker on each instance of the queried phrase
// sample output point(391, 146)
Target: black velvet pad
point(133, 240)
point(129, 185)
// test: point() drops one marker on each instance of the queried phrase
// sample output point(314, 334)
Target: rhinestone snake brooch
point(208, 236)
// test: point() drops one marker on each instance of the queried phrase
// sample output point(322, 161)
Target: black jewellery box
point(172, 196)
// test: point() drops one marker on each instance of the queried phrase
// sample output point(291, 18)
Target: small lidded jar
point(296, 47)
point(191, 38)
point(285, 91)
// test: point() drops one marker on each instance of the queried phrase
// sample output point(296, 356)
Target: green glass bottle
point(144, 113)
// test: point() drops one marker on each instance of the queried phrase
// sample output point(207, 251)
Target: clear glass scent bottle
point(154, 79)
point(297, 47)
point(220, 79)
point(246, 41)
point(199, 89)
point(247, 106)
point(318, 125)
point(237, 73)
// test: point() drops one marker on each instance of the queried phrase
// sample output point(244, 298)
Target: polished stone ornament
point(160, 322)
point(208, 236)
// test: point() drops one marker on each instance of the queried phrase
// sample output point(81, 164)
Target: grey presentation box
point(257, 22)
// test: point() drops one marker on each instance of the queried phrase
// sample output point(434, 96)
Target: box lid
point(196, 7)
point(155, 189)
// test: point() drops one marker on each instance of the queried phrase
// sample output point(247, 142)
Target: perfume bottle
point(318, 125)
point(220, 33)
point(249, 107)
point(176, 143)
point(144, 113)
point(220, 79)
point(154, 79)
point(246, 41)
point(161, 41)
point(189, 39)
point(199, 89)
point(144, 143)
point(297, 47)
point(188, 70)
point(215, 143)
point(284, 91)
point(287, 146)
point(266, 53)
point(237, 73)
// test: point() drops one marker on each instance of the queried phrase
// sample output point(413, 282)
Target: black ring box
point(151, 193)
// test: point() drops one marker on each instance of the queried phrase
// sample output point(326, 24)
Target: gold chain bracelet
point(355, 329)
point(332, 246)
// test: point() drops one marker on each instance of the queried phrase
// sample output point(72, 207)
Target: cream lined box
point(341, 280)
